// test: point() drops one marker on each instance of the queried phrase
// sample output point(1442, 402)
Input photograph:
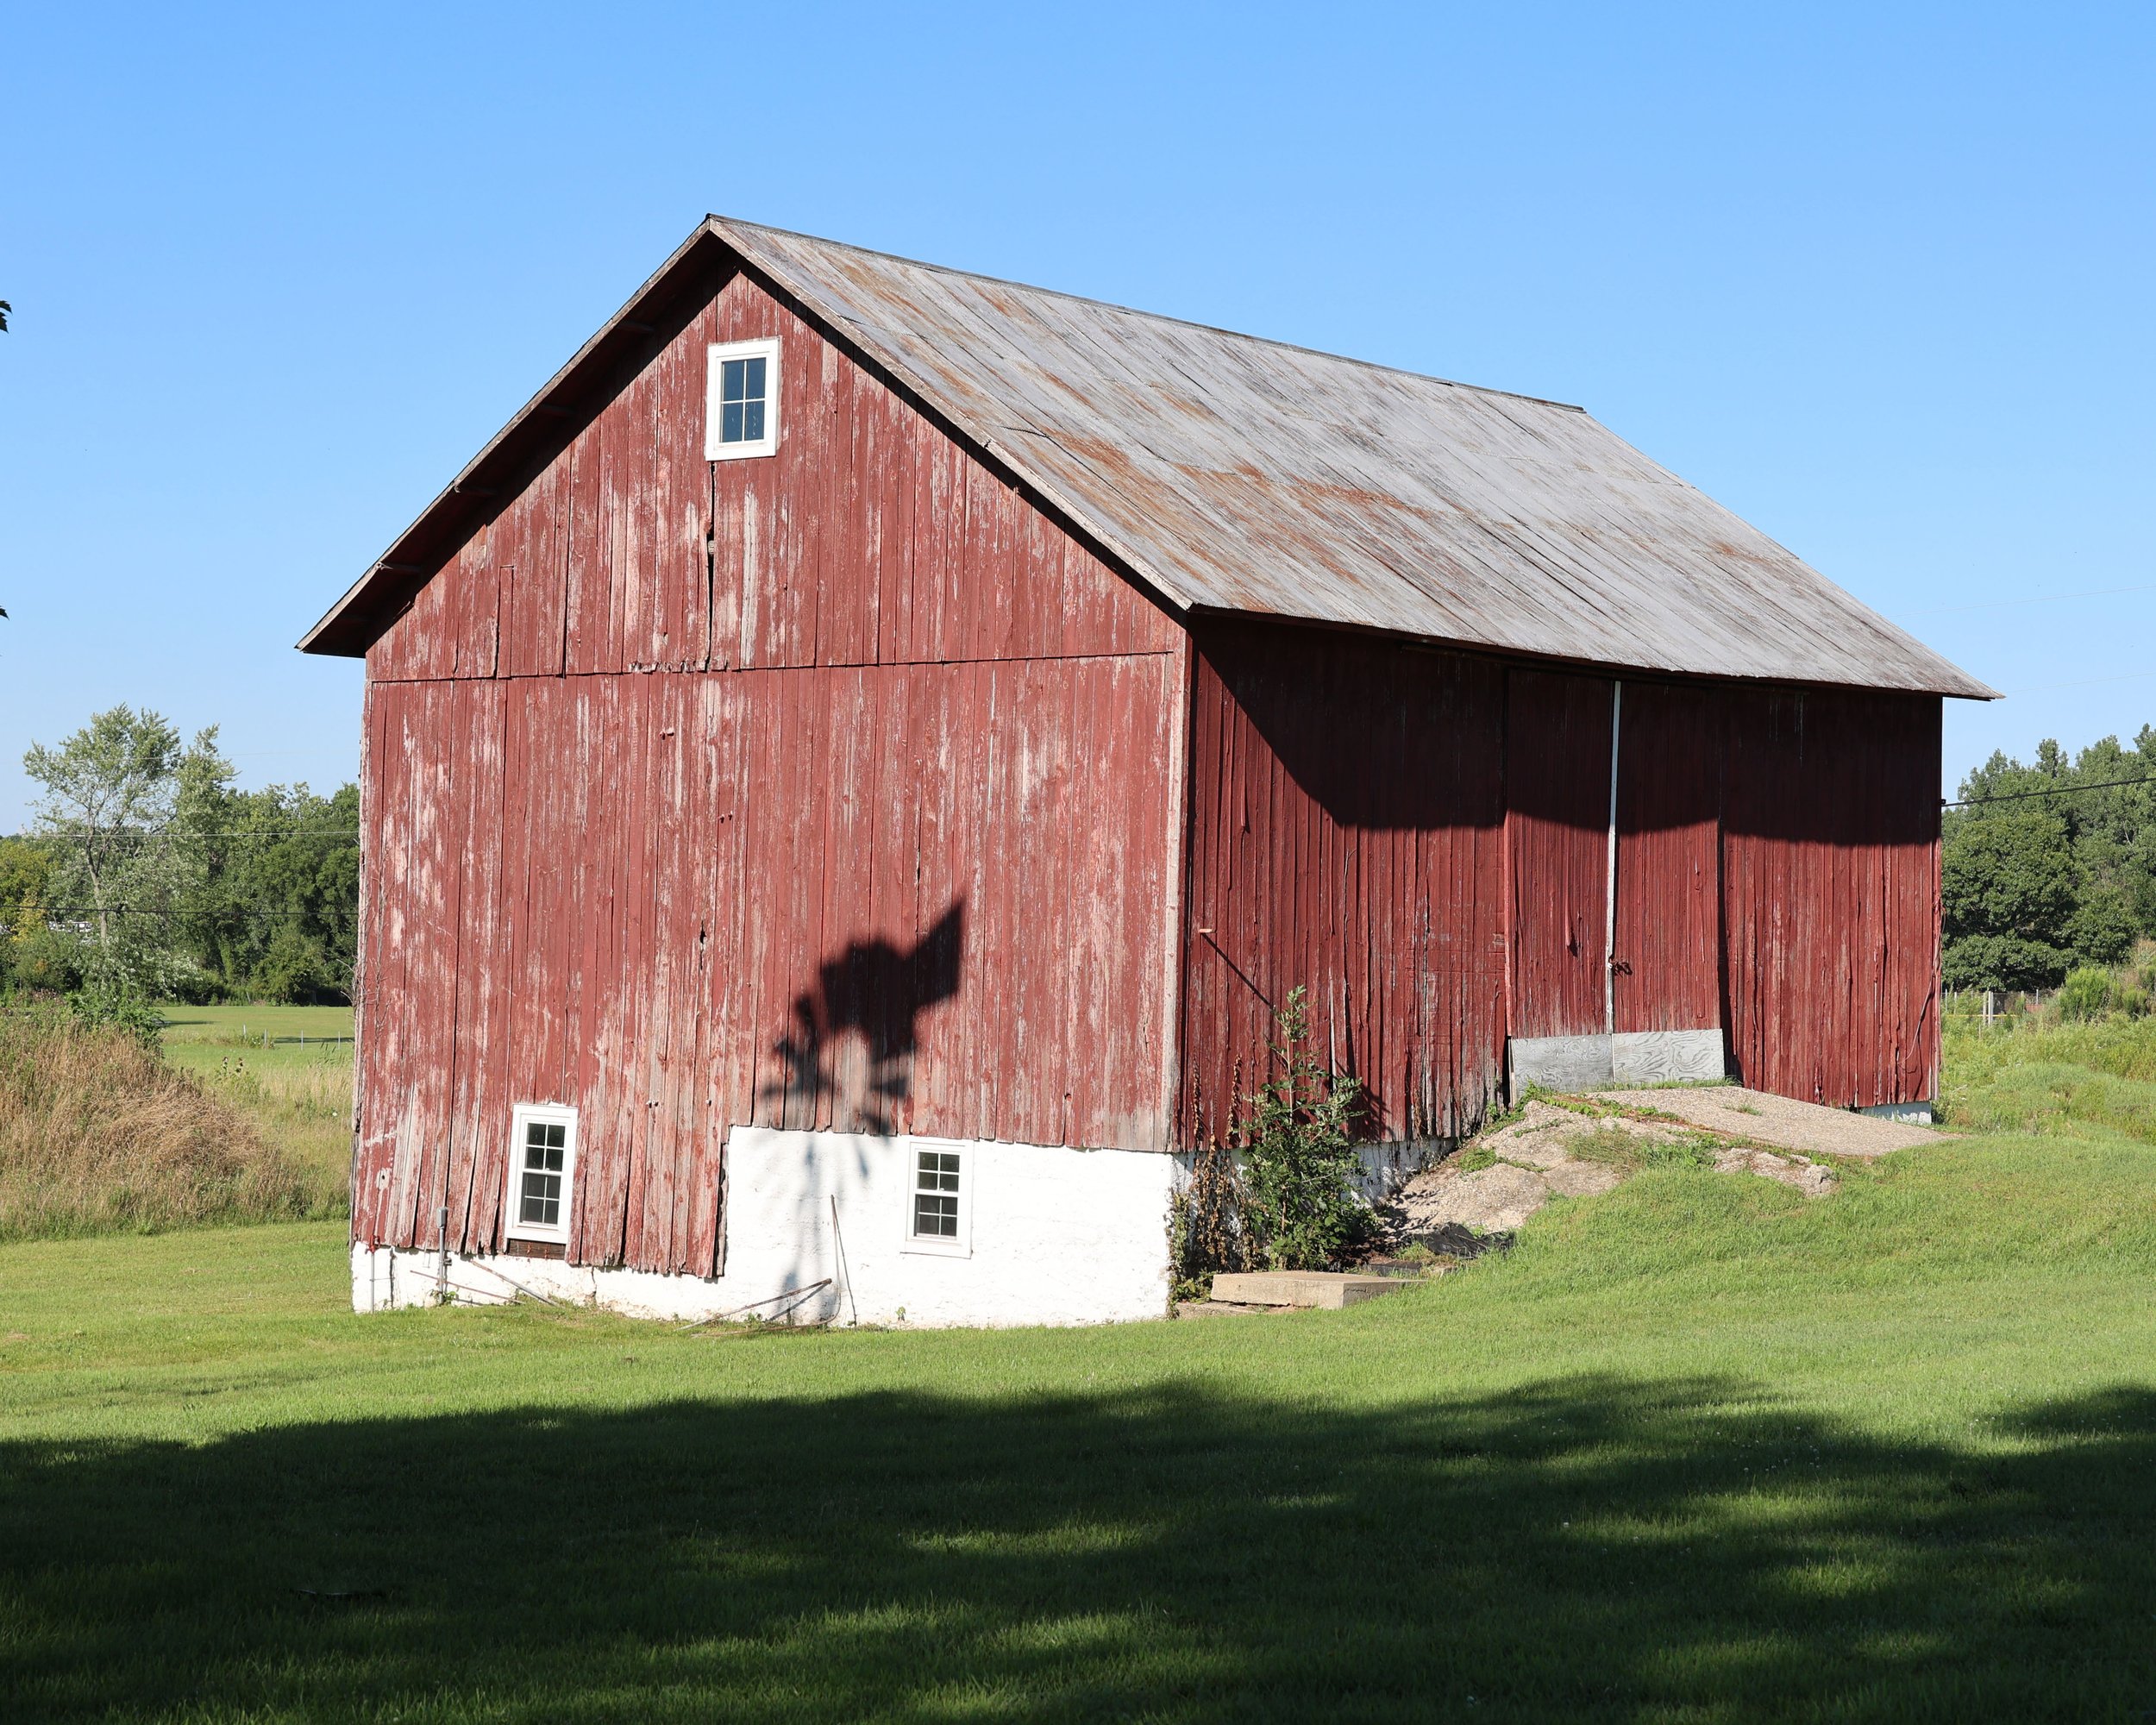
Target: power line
point(2061, 791)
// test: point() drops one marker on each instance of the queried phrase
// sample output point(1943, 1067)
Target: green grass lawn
point(235, 1026)
point(1698, 1450)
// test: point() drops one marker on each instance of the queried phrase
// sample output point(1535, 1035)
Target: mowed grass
point(246, 1026)
point(297, 1093)
point(1699, 1449)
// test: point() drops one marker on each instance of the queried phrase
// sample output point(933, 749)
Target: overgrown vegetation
point(1283, 1192)
point(1296, 1148)
point(2035, 887)
point(147, 876)
point(97, 1134)
point(2050, 1075)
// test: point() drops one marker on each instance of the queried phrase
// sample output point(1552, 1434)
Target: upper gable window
point(741, 412)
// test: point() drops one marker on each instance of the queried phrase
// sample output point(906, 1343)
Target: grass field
point(1698, 1450)
point(237, 1026)
point(298, 1092)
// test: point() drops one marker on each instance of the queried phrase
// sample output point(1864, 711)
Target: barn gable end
point(870, 537)
point(793, 793)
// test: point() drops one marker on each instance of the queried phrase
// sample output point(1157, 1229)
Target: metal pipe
point(1609, 873)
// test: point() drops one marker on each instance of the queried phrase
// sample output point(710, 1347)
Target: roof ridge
point(732, 222)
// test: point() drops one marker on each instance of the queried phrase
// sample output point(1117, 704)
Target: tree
point(2007, 889)
point(104, 787)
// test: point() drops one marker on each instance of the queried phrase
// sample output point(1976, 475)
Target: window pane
point(540, 1203)
point(752, 422)
point(729, 422)
point(733, 375)
point(936, 1218)
point(753, 388)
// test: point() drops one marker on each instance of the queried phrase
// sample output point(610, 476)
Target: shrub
point(1299, 1164)
point(97, 1135)
point(121, 1011)
point(2085, 994)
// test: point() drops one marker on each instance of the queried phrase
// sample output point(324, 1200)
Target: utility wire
point(2062, 791)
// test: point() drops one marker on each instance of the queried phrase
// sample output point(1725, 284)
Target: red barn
point(852, 768)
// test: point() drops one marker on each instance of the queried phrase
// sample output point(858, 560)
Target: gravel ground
point(1778, 1120)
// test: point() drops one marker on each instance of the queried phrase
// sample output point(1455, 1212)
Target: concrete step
point(1323, 1289)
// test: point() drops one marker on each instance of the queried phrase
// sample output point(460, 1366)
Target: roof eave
point(351, 625)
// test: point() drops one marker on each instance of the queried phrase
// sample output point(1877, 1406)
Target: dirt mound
point(98, 1135)
point(1494, 1184)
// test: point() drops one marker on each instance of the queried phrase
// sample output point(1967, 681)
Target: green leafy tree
point(109, 793)
point(26, 874)
point(2006, 890)
point(1297, 1148)
point(2006, 927)
point(276, 914)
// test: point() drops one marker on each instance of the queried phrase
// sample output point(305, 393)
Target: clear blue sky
point(1876, 277)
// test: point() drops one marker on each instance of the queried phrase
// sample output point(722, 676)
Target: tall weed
point(98, 1135)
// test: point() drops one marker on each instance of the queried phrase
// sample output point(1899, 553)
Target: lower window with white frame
point(939, 1197)
point(542, 1177)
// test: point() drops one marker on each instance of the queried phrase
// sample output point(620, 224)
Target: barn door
point(1612, 786)
point(1666, 994)
point(1556, 840)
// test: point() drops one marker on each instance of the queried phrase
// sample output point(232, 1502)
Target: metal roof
point(1232, 474)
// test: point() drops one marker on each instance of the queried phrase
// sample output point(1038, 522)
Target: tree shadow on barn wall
point(1583, 1550)
point(868, 1003)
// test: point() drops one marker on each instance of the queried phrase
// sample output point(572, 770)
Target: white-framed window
point(542, 1171)
point(939, 1174)
point(741, 403)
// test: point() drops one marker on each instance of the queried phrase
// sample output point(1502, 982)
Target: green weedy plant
point(1204, 1223)
point(107, 1005)
point(1297, 1150)
point(2085, 994)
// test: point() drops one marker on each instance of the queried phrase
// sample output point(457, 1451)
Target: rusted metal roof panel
point(1237, 475)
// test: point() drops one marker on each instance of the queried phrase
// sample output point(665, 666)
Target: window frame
point(765, 348)
point(959, 1245)
point(525, 1114)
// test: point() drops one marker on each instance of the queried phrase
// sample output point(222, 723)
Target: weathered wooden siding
point(1346, 834)
point(1830, 887)
point(870, 538)
point(835, 788)
point(1668, 973)
point(1556, 840)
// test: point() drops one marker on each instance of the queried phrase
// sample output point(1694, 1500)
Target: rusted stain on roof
point(1236, 474)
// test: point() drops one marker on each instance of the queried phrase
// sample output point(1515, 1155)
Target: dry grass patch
point(98, 1135)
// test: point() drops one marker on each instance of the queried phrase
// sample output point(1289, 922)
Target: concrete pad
point(1216, 1308)
point(1321, 1289)
point(1780, 1120)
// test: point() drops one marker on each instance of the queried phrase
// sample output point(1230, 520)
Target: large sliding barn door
point(1634, 994)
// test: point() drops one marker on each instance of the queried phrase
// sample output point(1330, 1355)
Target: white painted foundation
point(1056, 1236)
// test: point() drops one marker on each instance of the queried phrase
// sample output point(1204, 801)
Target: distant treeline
point(145, 874)
point(2036, 887)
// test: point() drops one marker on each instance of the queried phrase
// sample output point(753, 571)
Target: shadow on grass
point(1583, 1549)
